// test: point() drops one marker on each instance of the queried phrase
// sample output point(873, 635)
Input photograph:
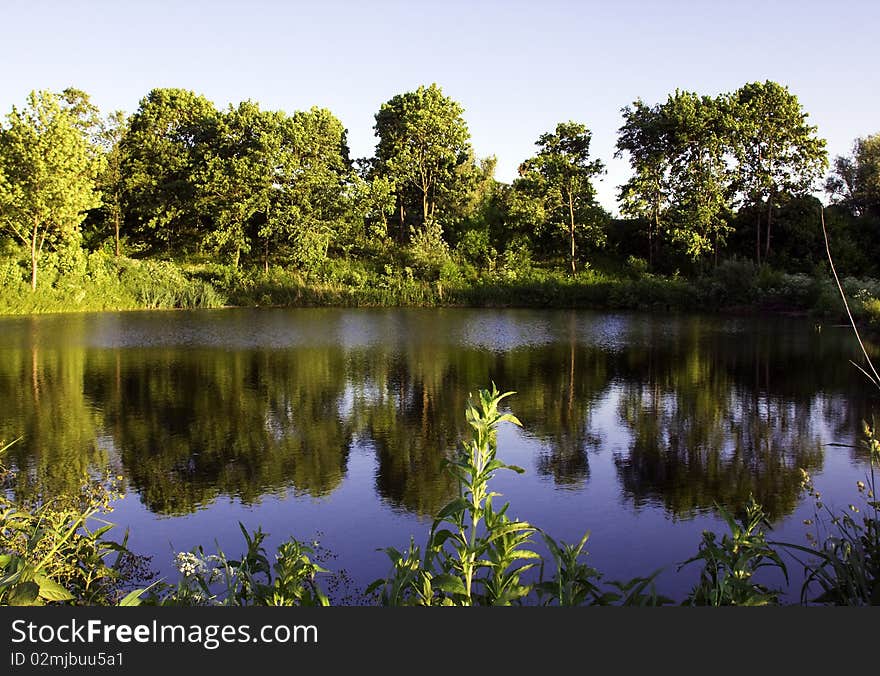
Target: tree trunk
point(652, 232)
point(767, 234)
point(402, 232)
point(758, 238)
point(34, 258)
point(266, 256)
point(426, 214)
point(117, 210)
point(571, 228)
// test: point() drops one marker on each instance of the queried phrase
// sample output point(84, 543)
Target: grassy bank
point(81, 282)
point(98, 281)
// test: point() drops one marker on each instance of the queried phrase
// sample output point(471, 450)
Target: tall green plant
point(476, 554)
point(729, 566)
point(845, 547)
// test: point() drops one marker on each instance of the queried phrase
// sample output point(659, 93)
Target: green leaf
point(132, 598)
point(51, 590)
point(103, 529)
point(449, 584)
point(24, 594)
point(454, 507)
point(441, 536)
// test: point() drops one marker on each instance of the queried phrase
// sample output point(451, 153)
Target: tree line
point(727, 175)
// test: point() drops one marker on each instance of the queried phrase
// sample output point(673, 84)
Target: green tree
point(162, 153)
point(371, 202)
point(313, 181)
point(236, 179)
point(47, 173)
point(778, 154)
point(855, 180)
point(477, 210)
point(561, 176)
point(645, 137)
point(110, 180)
point(424, 149)
point(700, 179)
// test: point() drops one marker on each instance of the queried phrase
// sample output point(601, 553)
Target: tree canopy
point(48, 172)
point(712, 177)
point(424, 149)
point(561, 177)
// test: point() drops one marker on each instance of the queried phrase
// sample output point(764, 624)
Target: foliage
point(778, 154)
point(247, 187)
point(645, 137)
point(475, 553)
point(428, 249)
point(72, 281)
point(52, 552)
point(729, 566)
point(252, 580)
point(310, 207)
point(162, 152)
point(855, 180)
point(236, 177)
point(574, 583)
point(560, 177)
point(48, 171)
point(844, 547)
point(424, 151)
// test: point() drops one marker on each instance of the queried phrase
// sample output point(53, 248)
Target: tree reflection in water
point(713, 410)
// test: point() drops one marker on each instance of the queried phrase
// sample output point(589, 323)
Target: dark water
point(332, 424)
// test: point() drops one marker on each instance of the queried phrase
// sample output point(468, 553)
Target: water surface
point(332, 424)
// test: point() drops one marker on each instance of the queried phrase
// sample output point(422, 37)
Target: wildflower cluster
point(189, 564)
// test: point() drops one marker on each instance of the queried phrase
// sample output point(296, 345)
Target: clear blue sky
point(517, 67)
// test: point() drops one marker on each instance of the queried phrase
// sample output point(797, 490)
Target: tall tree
point(48, 169)
point(855, 180)
point(777, 152)
point(423, 144)
point(161, 156)
point(313, 181)
point(644, 136)
point(371, 201)
point(561, 175)
point(700, 179)
point(110, 180)
point(237, 177)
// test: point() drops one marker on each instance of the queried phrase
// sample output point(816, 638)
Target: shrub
point(428, 250)
point(733, 282)
point(58, 551)
point(636, 266)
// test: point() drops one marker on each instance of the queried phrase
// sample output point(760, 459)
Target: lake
point(332, 425)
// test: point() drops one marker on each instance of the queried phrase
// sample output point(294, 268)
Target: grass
point(98, 282)
point(76, 281)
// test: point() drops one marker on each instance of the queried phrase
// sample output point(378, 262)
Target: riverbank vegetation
point(475, 553)
point(181, 204)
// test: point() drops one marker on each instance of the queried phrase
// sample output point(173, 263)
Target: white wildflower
point(189, 564)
